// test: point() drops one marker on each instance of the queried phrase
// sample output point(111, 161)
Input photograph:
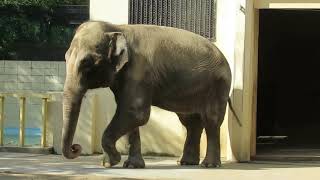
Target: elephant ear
point(117, 50)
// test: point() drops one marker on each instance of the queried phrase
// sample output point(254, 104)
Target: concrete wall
point(29, 76)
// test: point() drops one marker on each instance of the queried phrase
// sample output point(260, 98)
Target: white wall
point(225, 27)
point(230, 40)
point(114, 11)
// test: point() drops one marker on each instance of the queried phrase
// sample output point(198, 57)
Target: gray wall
point(29, 76)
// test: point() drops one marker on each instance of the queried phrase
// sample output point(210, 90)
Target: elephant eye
point(86, 64)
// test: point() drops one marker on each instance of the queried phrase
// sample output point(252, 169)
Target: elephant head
point(94, 58)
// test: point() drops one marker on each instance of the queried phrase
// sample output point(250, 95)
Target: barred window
point(198, 16)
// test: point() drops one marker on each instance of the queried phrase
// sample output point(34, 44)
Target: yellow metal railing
point(22, 120)
point(44, 121)
point(1, 120)
point(22, 114)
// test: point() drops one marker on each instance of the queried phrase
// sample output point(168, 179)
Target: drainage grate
point(198, 16)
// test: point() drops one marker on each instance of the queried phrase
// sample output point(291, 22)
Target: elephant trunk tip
point(72, 152)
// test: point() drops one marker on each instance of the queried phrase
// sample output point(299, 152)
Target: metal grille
point(198, 16)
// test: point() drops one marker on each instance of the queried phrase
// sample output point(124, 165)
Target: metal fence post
point(44, 122)
point(22, 120)
point(1, 120)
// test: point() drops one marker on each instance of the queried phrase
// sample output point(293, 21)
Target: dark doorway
point(289, 79)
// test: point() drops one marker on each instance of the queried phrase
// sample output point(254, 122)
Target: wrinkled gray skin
point(147, 65)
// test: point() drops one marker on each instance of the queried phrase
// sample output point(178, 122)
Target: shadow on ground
point(30, 166)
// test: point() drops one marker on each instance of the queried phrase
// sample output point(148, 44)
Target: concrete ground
point(36, 166)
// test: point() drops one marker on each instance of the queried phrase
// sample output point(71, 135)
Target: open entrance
point(288, 112)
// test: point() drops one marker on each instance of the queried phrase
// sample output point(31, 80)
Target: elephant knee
point(140, 117)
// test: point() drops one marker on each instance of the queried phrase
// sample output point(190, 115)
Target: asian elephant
point(147, 65)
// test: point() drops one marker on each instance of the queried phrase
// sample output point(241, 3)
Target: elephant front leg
point(124, 122)
point(135, 159)
point(111, 156)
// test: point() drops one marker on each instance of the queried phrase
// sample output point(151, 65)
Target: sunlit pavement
point(35, 166)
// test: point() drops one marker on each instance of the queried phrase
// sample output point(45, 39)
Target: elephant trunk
point(71, 109)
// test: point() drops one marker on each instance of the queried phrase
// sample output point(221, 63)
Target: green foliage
point(19, 27)
point(60, 35)
point(37, 3)
point(40, 3)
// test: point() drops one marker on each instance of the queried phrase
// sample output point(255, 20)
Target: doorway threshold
point(288, 154)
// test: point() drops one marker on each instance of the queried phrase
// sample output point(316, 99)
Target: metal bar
point(184, 8)
point(145, 12)
point(169, 13)
point(213, 26)
point(160, 22)
point(209, 20)
point(136, 10)
point(18, 95)
point(173, 13)
point(1, 120)
point(150, 12)
point(201, 18)
point(130, 10)
point(199, 14)
point(156, 12)
point(179, 13)
point(189, 13)
point(44, 122)
point(195, 17)
point(22, 120)
point(166, 12)
point(207, 14)
point(141, 12)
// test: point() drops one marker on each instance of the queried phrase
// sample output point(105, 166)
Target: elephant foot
point(188, 161)
point(134, 162)
point(211, 164)
point(109, 161)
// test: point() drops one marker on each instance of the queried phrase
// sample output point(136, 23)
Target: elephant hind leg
point(191, 151)
point(212, 120)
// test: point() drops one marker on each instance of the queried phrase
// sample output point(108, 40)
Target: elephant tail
point(234, 112)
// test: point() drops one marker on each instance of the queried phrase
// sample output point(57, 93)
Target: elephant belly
point(192, 103)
